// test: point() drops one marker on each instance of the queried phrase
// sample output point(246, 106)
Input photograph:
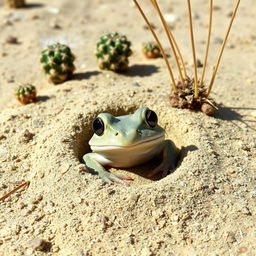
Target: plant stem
point(174, 86)
point(222, 49)
point(193, 49)
point(170, 38)
point(208, 43)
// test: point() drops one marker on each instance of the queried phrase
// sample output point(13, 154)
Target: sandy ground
point(207, 206)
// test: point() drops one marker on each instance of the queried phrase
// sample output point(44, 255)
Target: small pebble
point(53, 10)
point(195, 16)
point(216, 8)
point(231, 238)
point(34, 17)
point(217, 40)
point(54, 25)
point(38, 122)
point(38, 244)
point(136, 84)
point(152, 25)
point(170, 18)
point(3, 151)
point(11, 40)
point(199, 63)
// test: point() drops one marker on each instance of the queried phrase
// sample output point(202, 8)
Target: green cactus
point(151, 50)
point(15, 3)
point(57, 62)
point(26, 93)
point(113, 51)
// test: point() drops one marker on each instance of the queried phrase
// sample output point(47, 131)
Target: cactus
point(15, 3)
point(57, 62)
point(26, 93)
point(151, 50)
point(113, 51)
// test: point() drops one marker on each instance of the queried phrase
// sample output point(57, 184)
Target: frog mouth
point(145, 143)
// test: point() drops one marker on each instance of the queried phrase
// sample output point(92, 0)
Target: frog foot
point(118, 178)
point(163, 167)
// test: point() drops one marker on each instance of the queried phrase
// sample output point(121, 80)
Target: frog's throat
point(147, 142)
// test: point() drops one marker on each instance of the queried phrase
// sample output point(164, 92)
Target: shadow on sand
point(230, 114)
point(141, 70)
point(85, 75)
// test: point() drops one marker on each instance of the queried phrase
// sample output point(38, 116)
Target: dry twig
point(26, 183)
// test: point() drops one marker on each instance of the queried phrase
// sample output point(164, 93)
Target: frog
point(127, 141)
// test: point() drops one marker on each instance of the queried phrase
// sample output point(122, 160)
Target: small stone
point(217, 40)
point(152, 25)
point(55, 25)
point(231, 238)
point(7, 22)
point(216, 8)
point(170, 18)
point(38, 122)
point(27, 136)
point(64, 168)
point(199, 63)
point(2, 137)
point(134, 197)
point(10, 80)
point(195, 16)
point(136, 84)
point(146, 252)
point(37, 199)
point(55, 248)
point(242, 249)
point(229, 14)
point(3, 151)
point(208, 109)
point(5, 232)
point(38, 244)
point(245, 210)
point(53, 10)
point(11, 40)
point(131, 239)
point(35, 17)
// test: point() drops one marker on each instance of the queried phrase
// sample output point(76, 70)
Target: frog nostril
point(116, 133)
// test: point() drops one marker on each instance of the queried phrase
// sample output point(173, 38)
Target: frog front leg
point(170, 158)
point(94, 166)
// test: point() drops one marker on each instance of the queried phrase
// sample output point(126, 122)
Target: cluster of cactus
point(15, 3)
point(57, 61)
point(151, 50)
point(26, 93)
point(113, 51)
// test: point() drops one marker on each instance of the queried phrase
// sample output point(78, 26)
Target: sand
point(205, 207)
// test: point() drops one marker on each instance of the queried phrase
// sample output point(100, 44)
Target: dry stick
point(180, 56)
point(160, 46)
point(193, 49)
point(222, 49)
point(168, 32)
point(208, 44)
point(14, 190)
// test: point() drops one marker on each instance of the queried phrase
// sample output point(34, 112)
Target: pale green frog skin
point(127, 141)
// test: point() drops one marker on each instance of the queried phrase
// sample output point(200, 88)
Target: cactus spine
point(26, 93)
point(57, 62)
point(112, 52)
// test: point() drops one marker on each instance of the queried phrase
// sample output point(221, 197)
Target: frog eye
point(151, 118)
point(98, 126)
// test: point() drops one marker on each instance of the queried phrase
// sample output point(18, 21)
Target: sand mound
point(205, 207)
point(77, 213)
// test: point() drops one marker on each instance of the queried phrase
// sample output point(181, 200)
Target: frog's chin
point(147, 143)
point(129, 155)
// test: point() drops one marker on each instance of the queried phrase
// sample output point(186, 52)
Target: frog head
point(126, 131)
